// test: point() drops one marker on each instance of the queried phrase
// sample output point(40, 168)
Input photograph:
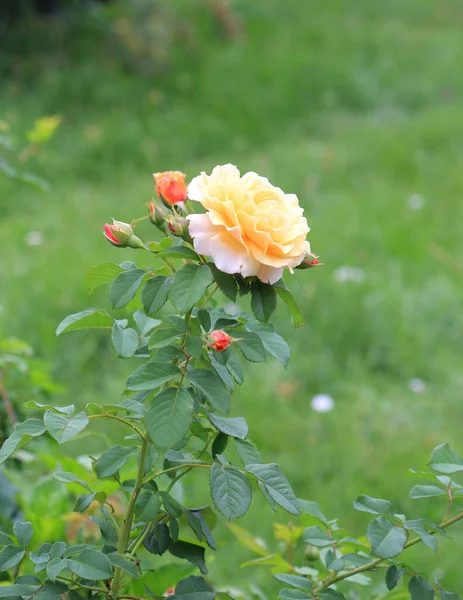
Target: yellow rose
point(250, 227)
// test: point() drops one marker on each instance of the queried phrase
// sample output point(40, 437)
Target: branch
point(120, 419)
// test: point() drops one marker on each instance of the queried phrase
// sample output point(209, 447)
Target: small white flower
point(346, 273)
point(416, 201)
point(322, 403)
point(417, 385)
point(34, 238)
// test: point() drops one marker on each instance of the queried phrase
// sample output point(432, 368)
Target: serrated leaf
point(290, 594)
point(180, 252)
point(420, 589)
point(23, 533)
point(10, 556)
point(387, 540)
point(445, 460)
point(86, 319)
point(151, 375)
point(418, 527)
point(117, 560)
point(91, 564)
point(426, 491)
point(251, 346)
point(263, 300)
point(5, 540)
point(227, 283)
point(154, 294)
point(112, 460)
point(375, 506)
point(101, 274)
point(294, 581)
point(188, 285)
point(67, 410)
point(212, 387)
point(247, 452)
point(192, 584)
point(147, 505)
point(272, 342)
point(230, 491)
point(276, 485)
point(393, 576)
point(190, 552)
point(234, 427)
point(296, 315)
point(308, 507)
point(144, 323)
point(164, 336)
point(169, 416)
point(219, 444)
point(125, 286)
point(158, 539)
point(84, 501)
point(63, 428)
point(55, 566)
point(317, 537)
point(125, 340)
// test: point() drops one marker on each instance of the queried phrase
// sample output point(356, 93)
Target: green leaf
point(163, 337)
point(273, 560)
point(180, 252)
point(294, 581)
point(288, 299)
point(5, 540)
point(375, 506)
point(188, 285)
point(194, 346)
point(333, 595)
point(151, 375)
point(219, 444)
point(148, 505)
point(235, 427)
point(70, 478)
point(124, 563)
point(230, 491)
point(174, 508)
point(10, 556)
point(190, 552)
point(112, 460)
point(23, 533)
point(235, 367)
point(426, 491)
point(192, 584)
point(420, 589)
point(158, 539)
point(144, 323)
point(169, 416)
point(55, 566)
point(248, 453)
point(393, 576)
point(31, 427)
point(212, 387)
point(251, 346)
point(195, 596)
point(308, 507)
point(154, 294)
point(227, 283)
point(125, 286)
point(445, 460)
point(84, 501)
point(63, 428)
point(289, 594)
point(448, 595)
point(317, 537)
point(387, 540)
point(67, 410)
point(272, 342)
point(204, 319)
point(418, 527)
point(57, 549)
point(125, 341)
point(91, 564)
point(276, 485)
point(86, 319)
point(263, 300)
point(101, 274)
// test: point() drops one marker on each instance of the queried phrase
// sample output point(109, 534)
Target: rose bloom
point(171, 186)
point(221, 340)
point(250, 227)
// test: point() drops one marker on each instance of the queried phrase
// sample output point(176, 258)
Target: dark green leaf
point(219, 444)
point(290, 594)
point(227, 283)
point(393, 576)
point(272, 342)
point(101, 274)
point(387, 540)
point(375, 506)
point(151, 375)
point(294, 581)
point(86, 319)
point(234, 427)
point(188, 285)
point(164, 336)
point(212, 387)
point(448, 595)
point(420, 589)
point(57, 549)
point(194, 346)
point(445, 460)
point(154, 294)
point(91, 564)
point(418, 527)
point(169, 416)
point(192, 584)
point(235, 367)
point(317, 537)
point(190, 552)
point(10, 556)
point(148, 505)
point(63, 428)
point(276, 485)
point(171, 505)
point(230, 490)
point(125, 286)
point(107, 529)
point(23, 533)
point(84, 501)
point(55, 566)
point(248, 453)
point(112, 460)
point(251, 346)
point(158, 539)
point(5, 540)
point(180, 252)
point(308, 507)
point(123, 563)
point(287, 297)
point(263, 300)
point(204, 319)
point(125, 341)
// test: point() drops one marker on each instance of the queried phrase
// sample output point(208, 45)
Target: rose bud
point(179, 227)
point(171, 187)
point(169, 592)
point(157, 213)
point(221, 340)
point(121, 234)
point(310, 261)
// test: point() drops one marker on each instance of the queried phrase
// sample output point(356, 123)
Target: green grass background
point(354, 106)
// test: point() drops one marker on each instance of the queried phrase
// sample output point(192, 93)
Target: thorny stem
point(128, 517)
point(375, 563)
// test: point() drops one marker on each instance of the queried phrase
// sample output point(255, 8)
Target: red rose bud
point(221, 340)
point(169, 592)
point(171, 187)
point(121, 234)
point(310, 261)
point(179, 227)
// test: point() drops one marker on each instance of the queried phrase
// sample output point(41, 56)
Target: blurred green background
point(355, 106)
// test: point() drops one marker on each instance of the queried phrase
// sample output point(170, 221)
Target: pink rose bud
point(121, 234)
point(171, 187)
point(221, 340)
point(179, 227)
point(310, 261)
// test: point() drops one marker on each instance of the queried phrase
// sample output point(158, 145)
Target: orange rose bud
point(171, 187)
point(121, 234)
point(221, 340)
